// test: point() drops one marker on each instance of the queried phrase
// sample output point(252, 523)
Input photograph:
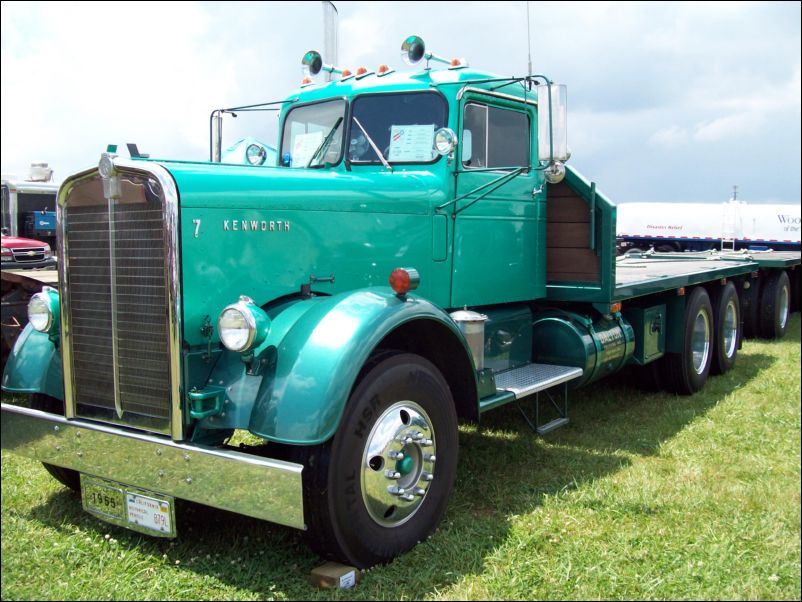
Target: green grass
point(640, 497)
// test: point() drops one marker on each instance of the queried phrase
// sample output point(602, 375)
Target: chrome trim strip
point(263, 488)
point(463, 91)
point(115, 352)
point(172, 276)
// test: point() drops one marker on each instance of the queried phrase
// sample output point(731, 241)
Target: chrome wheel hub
point(730, 329)
point(398, 464)
point(700, 341)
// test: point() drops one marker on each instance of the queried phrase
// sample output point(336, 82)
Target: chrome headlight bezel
point(253, 320)
point(44, 303)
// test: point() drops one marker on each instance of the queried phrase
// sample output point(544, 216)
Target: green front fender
point(320, 357)
point(34, 365)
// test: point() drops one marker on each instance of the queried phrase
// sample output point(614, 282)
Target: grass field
point(640, 497)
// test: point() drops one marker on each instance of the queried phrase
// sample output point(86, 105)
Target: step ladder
point(534, 379)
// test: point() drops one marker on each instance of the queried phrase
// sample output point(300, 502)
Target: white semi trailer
point(701, 226)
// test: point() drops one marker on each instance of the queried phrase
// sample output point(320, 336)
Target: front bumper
point(259, 487)
point(29, 265)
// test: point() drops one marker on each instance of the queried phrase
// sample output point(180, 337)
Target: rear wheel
point(775, 305)
point(726, 328)
point(382, 483)
point(687, 371)
point(65, 476)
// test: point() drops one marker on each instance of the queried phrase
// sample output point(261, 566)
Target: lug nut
point(426, 443)
point(427, 476)
point(408, 497)
point(419, 491)
point(417, 436)
point(392, 474)
point(395, 490)
point(429, 458)
point(396, 455)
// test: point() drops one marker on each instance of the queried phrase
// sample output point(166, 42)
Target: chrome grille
point(118, 303)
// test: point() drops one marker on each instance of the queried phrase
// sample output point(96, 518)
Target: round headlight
point(255, 154)
point(243, 325)
point(39, 314)
point(445, 140)
point(237, 328)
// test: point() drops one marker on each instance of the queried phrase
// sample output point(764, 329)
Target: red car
point(26, 253)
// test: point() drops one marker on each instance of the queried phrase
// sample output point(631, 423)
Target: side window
point(494, 137)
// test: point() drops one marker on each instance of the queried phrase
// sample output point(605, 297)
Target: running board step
point(532, 378)
point(550, 426)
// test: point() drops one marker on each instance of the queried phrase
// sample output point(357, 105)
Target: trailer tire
point(775, 303)
point(65, 476)
point(727, 328)
point(750, 304)
point(401, 403)
point(796, 291)
point(687, 371)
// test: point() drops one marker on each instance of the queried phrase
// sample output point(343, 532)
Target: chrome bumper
point(259, 487)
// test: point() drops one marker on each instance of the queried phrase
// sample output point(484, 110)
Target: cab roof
point(447, 81)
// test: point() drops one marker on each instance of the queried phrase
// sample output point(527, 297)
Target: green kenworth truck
point(418, 255)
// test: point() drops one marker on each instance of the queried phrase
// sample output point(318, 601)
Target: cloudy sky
point(667, 101)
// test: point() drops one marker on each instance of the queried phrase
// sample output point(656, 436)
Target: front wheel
point(382, 483)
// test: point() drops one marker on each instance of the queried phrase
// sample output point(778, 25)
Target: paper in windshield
point(304, 146)
point(411, 143)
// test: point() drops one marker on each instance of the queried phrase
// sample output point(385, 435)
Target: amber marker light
point(360, 71)
point(346, 73)
point(615, 308)
point(403, 280)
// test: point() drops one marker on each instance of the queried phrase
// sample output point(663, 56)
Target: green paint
point(405, 466)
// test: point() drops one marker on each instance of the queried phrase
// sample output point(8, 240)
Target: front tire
point(382, 483)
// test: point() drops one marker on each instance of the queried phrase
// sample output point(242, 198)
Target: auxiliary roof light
point(312, 64)
point(384, 69)
point(413, 50)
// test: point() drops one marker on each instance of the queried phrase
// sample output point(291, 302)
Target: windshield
point(313, 135)
point(401, 126)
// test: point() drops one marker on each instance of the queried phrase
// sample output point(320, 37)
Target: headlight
point(255, 154)
point(43, 313)
point(243, 325)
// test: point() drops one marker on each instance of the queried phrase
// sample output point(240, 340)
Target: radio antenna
point(528, 40)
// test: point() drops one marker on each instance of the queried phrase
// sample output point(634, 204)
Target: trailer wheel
point(726, 327)
point(687, 371)
point(793, 277)
point(65, 476)
point(775, 304)
point(382, 483)
point(750, 304)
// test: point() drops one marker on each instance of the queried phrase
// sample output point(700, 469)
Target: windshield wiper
point(325, 142)
point(373, 145)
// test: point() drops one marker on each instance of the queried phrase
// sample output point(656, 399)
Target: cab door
point(499, 224)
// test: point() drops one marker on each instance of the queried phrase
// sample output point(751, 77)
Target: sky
point(667, 101)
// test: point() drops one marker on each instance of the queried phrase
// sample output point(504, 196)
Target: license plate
point(131, 507)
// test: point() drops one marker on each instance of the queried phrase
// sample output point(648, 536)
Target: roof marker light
point(307, 81)
point(384, 69)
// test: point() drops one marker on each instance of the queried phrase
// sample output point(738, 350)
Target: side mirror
point(552, 123)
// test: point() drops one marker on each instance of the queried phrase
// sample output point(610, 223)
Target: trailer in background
point(734, 225)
